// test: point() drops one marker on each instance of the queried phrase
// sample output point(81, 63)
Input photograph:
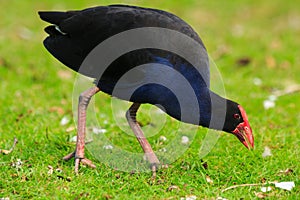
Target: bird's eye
point(236, 116)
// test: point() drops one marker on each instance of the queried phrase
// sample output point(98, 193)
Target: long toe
point(69, 156)
point(84, 161)
point(87, 162)
point(154, 169)
point(77, 163)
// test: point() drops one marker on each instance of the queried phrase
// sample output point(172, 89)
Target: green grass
point(33, 84)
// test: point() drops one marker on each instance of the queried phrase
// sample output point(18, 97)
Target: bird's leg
point(83, 103)
point(131, 118)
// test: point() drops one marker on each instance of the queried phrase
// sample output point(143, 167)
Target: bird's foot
point(84, 161)
point(154, 163)
point(154, 167)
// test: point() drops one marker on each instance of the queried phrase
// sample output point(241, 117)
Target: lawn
point(255, 46)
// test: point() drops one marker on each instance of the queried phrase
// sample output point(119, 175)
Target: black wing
point(75, 33)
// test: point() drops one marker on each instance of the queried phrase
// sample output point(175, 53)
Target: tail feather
point(63, 49)
point(55, 17)
point(54, 30)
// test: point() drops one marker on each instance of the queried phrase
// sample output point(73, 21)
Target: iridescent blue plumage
point(84, 30)
point(150, 73)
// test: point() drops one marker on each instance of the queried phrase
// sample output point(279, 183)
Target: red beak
point(243, 131)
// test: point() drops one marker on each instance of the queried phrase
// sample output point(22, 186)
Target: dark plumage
point(74, 34)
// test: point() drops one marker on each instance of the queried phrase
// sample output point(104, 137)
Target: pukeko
point(74, 34)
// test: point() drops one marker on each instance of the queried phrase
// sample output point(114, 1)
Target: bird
point(157, 74)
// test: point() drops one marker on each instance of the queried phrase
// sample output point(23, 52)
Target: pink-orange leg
point(83, 103)
point(131, 118)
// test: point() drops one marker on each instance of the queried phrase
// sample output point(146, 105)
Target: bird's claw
point(87, 162)
point(84, 161)
point(154, 168)
point(69, 156)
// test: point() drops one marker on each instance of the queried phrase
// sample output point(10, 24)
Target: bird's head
point(237, 123)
